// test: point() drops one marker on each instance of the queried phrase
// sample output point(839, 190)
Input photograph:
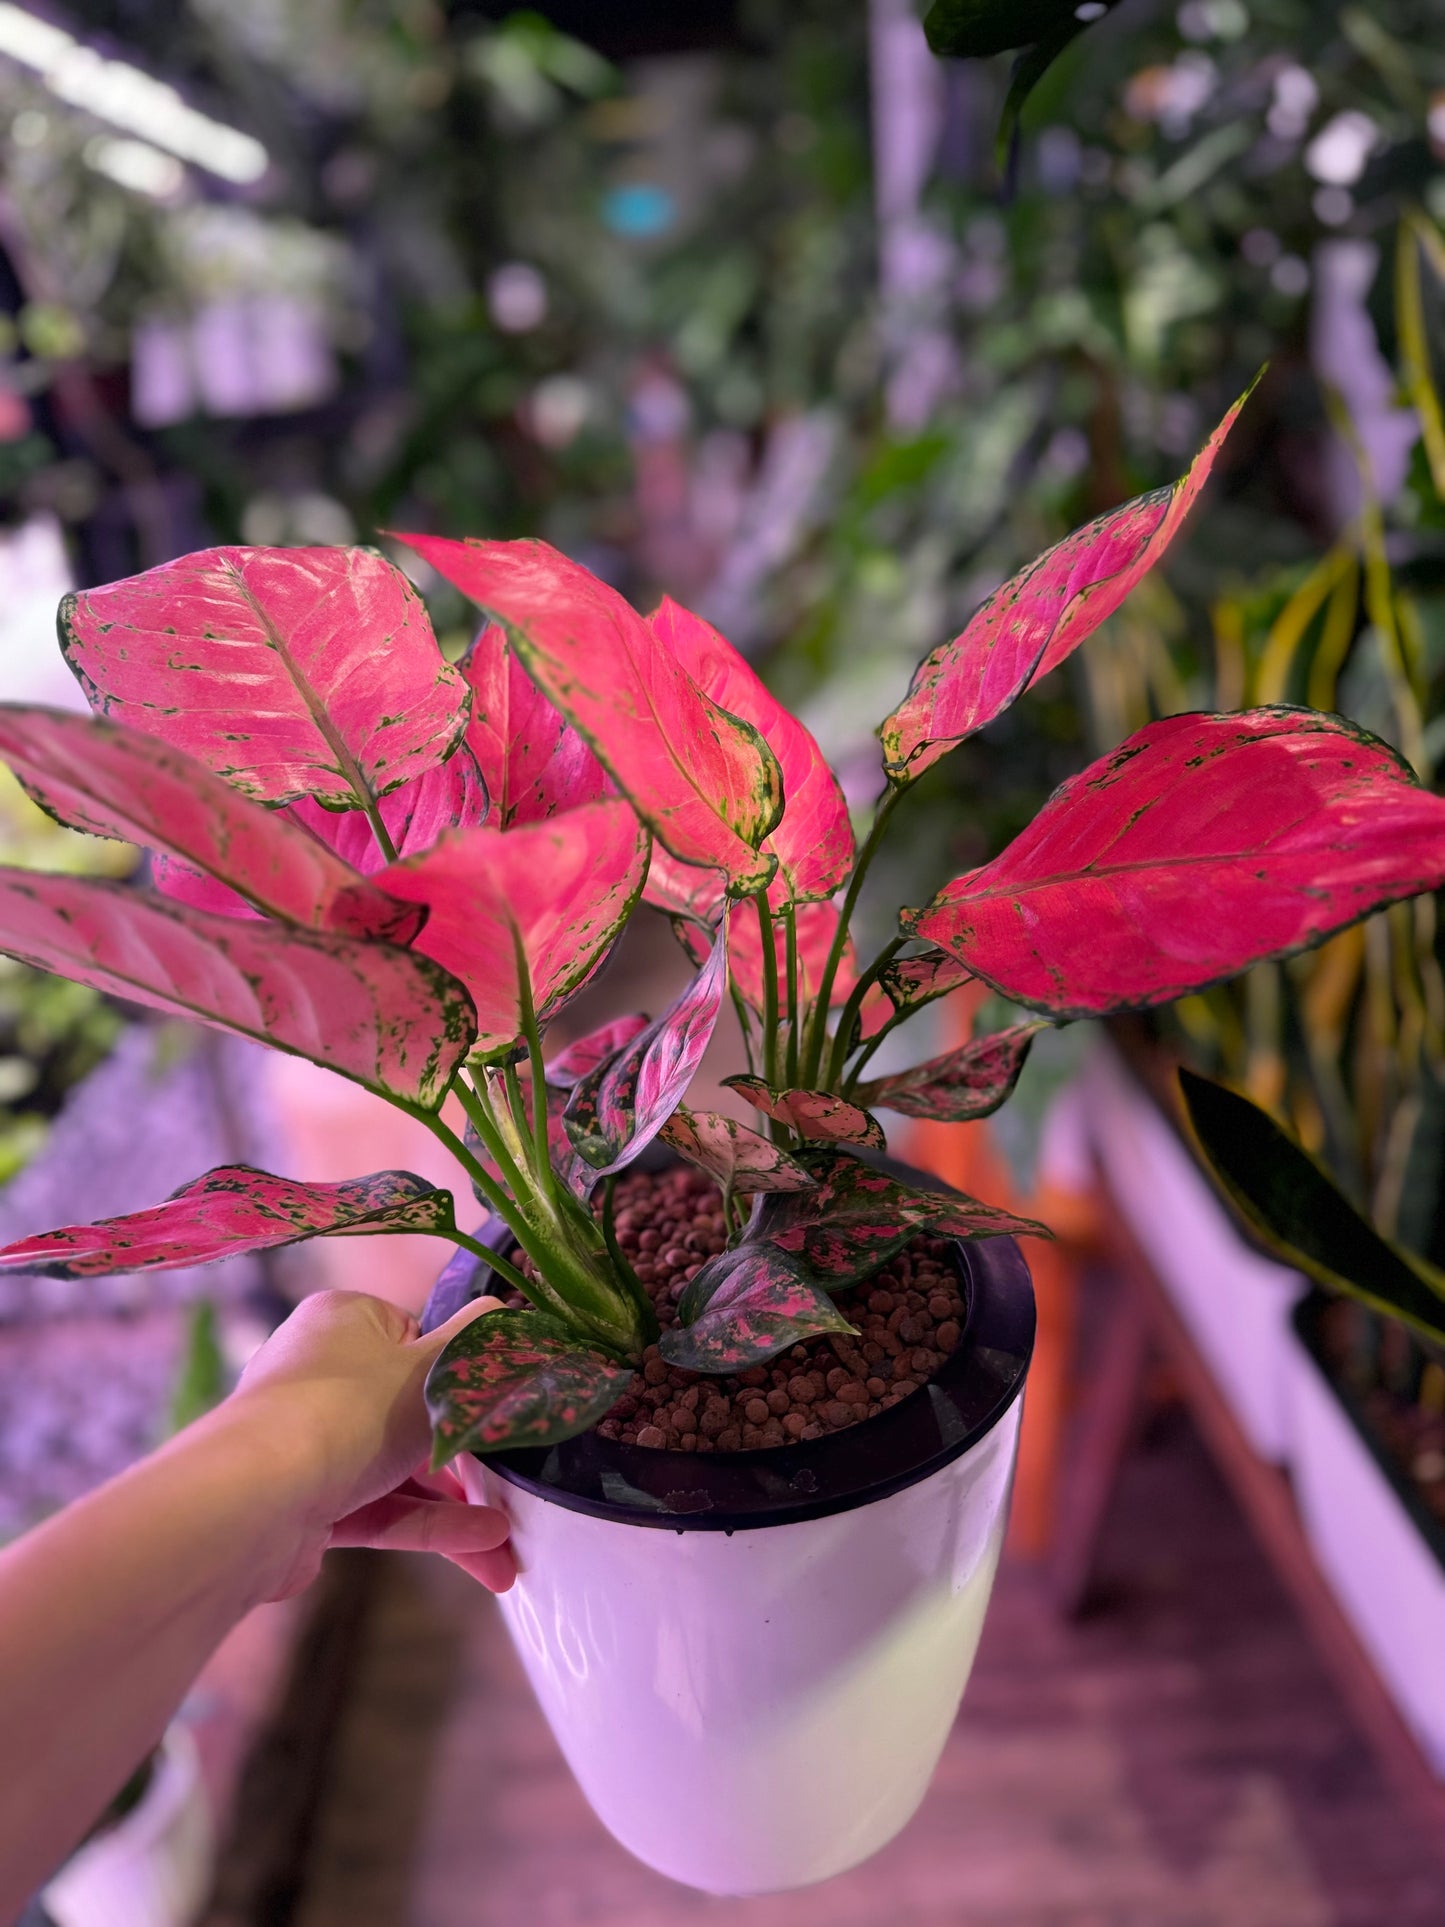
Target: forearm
point(115, 1605)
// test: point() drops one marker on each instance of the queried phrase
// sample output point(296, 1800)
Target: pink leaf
point(705, 783)
point(534, 761)
point(857, 1218)
point(388, 1018)
point(115, 782)
point(744, 1306)
point(1036, 619)
point(233, 1209)
point(515, 1378)
point(616, 1111)
point(911, 982)
point(812, 1114)
point(965, 1083)
point(1202, 845)
point(559, 891)
point(598, 1047)
point(290, 672)
point(684, 890)
point(814, 841)
point(741, 1160)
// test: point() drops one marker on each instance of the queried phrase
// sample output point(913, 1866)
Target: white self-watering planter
point(1383, 1556)
point(152, 1868)
point(752, 1660)
point(1236, 1303)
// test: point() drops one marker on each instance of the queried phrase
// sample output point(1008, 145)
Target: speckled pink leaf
point(744, 1306)
point(857, 1218)
point(598, 1047)
point(741, 1160)
point(911, 982)
point(814, 840)
point(812, 1114)
point(704, 782)
point(1202, 845)
point(388, 1018)
point(450, 796)
point(290, 672)
point(512, 1378)
point(962, 1084)
point(685, 890)
point(534, 761)
point(559, 890)
point(1036, 619)
point(616, 1111)
point(232, 1209)
point(115, 782)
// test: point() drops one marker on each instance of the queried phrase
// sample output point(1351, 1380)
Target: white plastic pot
point(151, 1869)
point(1235, 1303)
point(752, 1660)
point(1383, 1558)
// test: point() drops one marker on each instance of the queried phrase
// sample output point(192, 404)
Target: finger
point(436, 1341)
point(399, 1523)
point(495, 1570)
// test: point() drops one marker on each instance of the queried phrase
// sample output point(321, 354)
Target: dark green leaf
point(745, 1306)
point(1300, 1212)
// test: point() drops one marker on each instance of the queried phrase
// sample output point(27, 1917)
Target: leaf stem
point(503, 1267)
point(532, 1031)
point(849, 1017)
point(790, 932)
point(378, 827)
point(818, 1029)
point(770, 988)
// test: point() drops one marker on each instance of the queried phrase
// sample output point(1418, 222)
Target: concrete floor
point(1175, 1759)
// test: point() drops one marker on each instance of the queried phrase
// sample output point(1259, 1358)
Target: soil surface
point(909, 1316)
point(1399, 1391)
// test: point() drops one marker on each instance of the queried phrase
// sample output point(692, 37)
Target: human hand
point(337, 1393)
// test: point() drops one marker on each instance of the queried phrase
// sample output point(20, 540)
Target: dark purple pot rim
point(640, 1485)
point(1307, 1317)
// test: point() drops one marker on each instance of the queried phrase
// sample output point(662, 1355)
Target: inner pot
point(751, 1660)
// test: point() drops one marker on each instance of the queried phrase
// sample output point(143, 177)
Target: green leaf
point(514, 1378)
point(974, 29)
point(1301, 1213)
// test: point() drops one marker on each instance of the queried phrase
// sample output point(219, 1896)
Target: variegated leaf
point(686, 891)
point(856, 1218)
point(388, 1018)
point(1036, 619)
point(1202, 845)
point(747, 1305)
point(703, 781)
point(591, 1052)
point(741, 1160)
point(911, 982)
point(816, 1115)
point(231, 1210)
point(96, 777)
point(555, 893)
point(616, 1111)
point(290, 672)
point(534, 761)
point(814, 840)
point(517, 1378)
point(578, 1176)
point(969, 1082)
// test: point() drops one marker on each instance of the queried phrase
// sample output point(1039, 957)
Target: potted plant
point(757, 1459)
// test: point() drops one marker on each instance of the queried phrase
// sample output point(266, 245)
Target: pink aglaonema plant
point(403, 869)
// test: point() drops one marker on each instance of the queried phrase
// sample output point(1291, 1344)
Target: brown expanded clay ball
point(909, 1316)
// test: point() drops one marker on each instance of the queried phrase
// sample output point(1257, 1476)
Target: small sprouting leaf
point(969, 1082)
point(97, 777)
point(813, 842)
point(616, 1111)
point(741, 1160)
point(1035, 620)
point(290, 672)
point(703, 781)
point(230, 1210)
point(812, 1114)
point(857, 1218)
point(559, 891)
point(744, 1306)
point(515, 1378)
point(598, 1047)
point(535, 763)
point(388, 1018)
point(1200, 846)
point(1300, 1212)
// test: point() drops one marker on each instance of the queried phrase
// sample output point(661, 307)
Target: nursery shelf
point(1144, 1328)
